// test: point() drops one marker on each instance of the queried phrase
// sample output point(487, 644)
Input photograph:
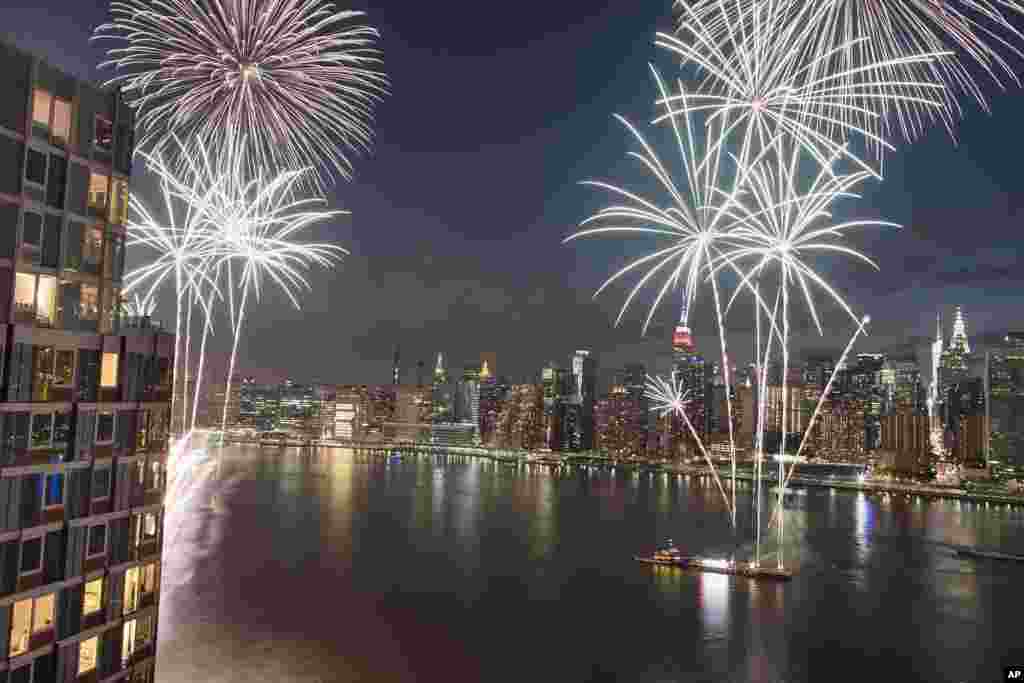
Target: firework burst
point(282, 83)
point(759, 79)
point(978, 35)
point(670, 398)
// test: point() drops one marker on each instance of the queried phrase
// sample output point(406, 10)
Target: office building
point(85, 400)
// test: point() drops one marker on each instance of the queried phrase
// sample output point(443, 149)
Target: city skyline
point(459, 279)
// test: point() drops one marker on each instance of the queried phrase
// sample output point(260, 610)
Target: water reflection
point(713, 597)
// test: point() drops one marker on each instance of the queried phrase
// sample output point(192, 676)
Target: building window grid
point(59, 115)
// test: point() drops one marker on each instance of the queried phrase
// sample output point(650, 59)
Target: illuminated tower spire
point(440, 375)
point(396, 367)
point(959, 338)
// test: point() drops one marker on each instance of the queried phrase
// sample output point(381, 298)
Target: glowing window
point(24, 292)
point(98, 188)
point(42, 616)
point(89, 303)
point(119, 201)
point(61, 120)
point(108, 371)
point(87, 654)
point(21, 627)
point(46, 300)
point(149, 526)
point(41, 108)
point(132, 586)
point(92, 600)
point(149, 578)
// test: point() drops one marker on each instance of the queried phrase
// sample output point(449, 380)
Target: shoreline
point(568, 461)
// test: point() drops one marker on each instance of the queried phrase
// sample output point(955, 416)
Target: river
point(328, 565)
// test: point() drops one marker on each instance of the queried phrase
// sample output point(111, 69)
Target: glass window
point(92, 600)
point(118, 201)
point(64, 369)
point(89, 304)
point(101, 482)
point(104, 138)
point(141, 433)
point(98, 188)
point(54, 494)
point(87, 650)
point(140, 472)
point(42, 617)
point(41, 107)
point(46, 300)
point(61, 428)
point(111, 311)
point(42, 429)
point(104, 427)
point(61, 132)
point(31, 556)
point(31, 238)
point(156, 468)
point(128, 639)
point(97, 540)
point(108, 371)
point(21, 627)
point(24, 297)
point(92, 250)
point(149, 526)
point(149, 578)
point(35, 167)
point(42, 372)
point(132, 586)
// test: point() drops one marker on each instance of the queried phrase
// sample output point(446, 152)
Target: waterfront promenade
point(519, 457)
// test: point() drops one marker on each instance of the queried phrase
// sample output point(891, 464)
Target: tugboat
point(670, 556)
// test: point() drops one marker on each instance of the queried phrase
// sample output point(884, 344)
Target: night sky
point(497, 111)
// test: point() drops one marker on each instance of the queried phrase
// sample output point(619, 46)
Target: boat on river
point(671, 556)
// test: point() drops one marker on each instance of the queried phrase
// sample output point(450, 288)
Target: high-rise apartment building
point(84, 399)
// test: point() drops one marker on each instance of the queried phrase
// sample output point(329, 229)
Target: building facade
point(84, 398)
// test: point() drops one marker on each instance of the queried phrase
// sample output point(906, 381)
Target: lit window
point(119, 201)
point(104, 138)
point(35, 167)
point(140, 472)
point(98, 188)
point(92, 250)
point(61, 120)
point(132, 588)
point(89, 303)
point(149, 578)
point(21, 627)
point(41, 108)
point(24, 296)
point(92, 600)
point(149, 526)
point(108, 371)
point(104, 427)
point(46, 300)
point(54, 490)
point(97, 540)
point(42, 614)
point(31, 556)
point(87, 655)
point(155, 481)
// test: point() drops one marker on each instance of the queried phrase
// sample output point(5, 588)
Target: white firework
point(686, 217)
point(139, 308)
point(258, 228)
point(283, 83)
point(978, 35)
point(670, 398)
point(759, 79)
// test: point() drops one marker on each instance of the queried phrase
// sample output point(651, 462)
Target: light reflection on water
point(447, 561)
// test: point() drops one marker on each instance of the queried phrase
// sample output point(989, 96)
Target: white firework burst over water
point(215, 225)
point(759, 79)
point(284, 83)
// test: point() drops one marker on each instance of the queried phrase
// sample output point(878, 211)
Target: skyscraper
point(578, 404)
point(688, 366)
point(86, 415)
